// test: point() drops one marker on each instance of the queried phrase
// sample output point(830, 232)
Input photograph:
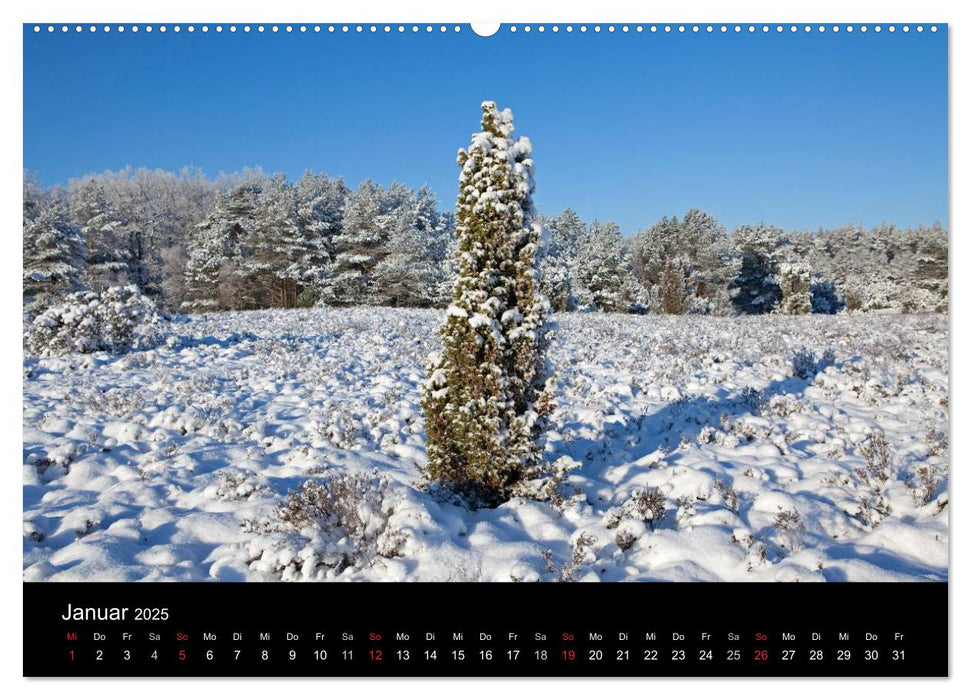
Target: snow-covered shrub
point(580, 554)
point(546, 487)
point(625, 539)
point(117, 320)
point(684, 508)
point(924, 482)
point(879, 465)
point(647, 505)
point(328, 524)
point(119, 402)
point(783, 406)
point(874, 507)
point(805, 365)
point(879, 460)
point(729, 495)
point(753, 399)
point(790, 529)
point(939, 442)
point(743, 537)
point(234, 485)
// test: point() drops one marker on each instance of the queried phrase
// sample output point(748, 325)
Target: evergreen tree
point(53, 252)
point(557, 283)
point(825, 297)
point(489, 391)
point(34, 197)
point(932, 265)
point(449, 264)
point(602, 275)
point(410, 272)
point(279, 257)
point(756, 287)
point(212, 274)
point(106, 243)
point(559, 259)
point(364, 228)
point(794, 286)
point(695, 247)
point(674, 294)
point(320, 203)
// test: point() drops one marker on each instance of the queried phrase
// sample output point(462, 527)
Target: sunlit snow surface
point(129, 461)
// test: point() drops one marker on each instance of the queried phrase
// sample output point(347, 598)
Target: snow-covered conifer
point(320, 203)
point(106, 243)
point(212, 279)
point(602, 275)
point(279, 257)
point(825, 296)
point(410, 271)
point(557, 284)
point(489, 391)
point(704, 257)
point(364, 228)
point(756, 287)
point(794, 285)
point(559, 259)
point(53, 253)
point(674, 294)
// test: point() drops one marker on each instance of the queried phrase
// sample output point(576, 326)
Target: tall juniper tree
point(490, 389)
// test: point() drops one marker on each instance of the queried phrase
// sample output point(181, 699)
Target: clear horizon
point(747, 127)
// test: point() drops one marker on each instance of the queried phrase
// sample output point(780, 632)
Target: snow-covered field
point(698, 454)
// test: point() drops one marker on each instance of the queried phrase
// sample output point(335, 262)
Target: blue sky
point(800, 130)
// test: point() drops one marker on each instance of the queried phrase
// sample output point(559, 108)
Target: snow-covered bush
point(879, 466)
point(790, 529)
point(625, 539)
point(805, 365)
point(547, 485)
point(648, 505)
point(924, 482)
point(581, 554)
point(879, 460)
point(329, 524)
point(117, 320)
point(729, 495)
point(234, 485)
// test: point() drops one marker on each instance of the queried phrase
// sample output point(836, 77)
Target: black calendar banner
point(481, 629)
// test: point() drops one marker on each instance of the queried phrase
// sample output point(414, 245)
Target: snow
point(147, 466)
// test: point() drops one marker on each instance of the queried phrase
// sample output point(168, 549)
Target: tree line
point(253, 240)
